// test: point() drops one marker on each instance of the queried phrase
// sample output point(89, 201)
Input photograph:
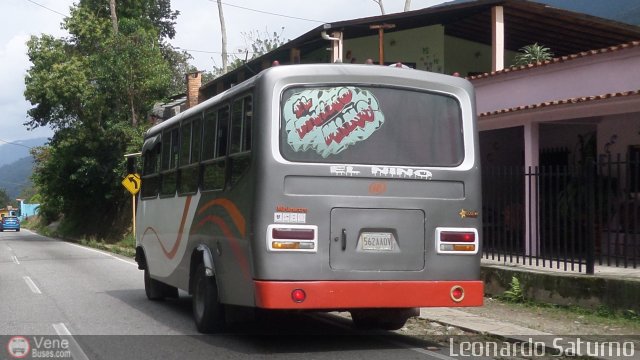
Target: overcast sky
point(198, 30)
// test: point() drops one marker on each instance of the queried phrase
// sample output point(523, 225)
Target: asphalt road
point(78, 302)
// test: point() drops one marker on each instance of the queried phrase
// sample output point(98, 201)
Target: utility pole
point(223, 31)
point(379, 2)
point(381, 28)
point(407, 5)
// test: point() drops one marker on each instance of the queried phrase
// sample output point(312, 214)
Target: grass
point(126, 246)
point(601, 315)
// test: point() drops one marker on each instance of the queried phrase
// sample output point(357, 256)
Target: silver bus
point(316, 187)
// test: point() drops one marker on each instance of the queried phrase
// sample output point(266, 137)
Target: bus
point(320, 187)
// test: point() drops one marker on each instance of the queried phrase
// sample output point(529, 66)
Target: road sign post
point(132, 183)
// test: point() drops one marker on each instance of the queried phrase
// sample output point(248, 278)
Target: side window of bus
point(170, 151)
point(214, 148)
point(151, 172)
point(241, 137)
point(189, 156)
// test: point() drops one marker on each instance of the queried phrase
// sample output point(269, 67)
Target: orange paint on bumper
point(366, 294)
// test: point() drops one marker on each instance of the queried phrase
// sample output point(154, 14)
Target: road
point(95, 301)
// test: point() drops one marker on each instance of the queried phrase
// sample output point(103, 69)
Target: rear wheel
point(157, 290)
point(386, 319)
point(208, 312)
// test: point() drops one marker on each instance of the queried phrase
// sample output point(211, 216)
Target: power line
point(16, 144)
point(274, 14)
point(213, 52)
point(42, 6)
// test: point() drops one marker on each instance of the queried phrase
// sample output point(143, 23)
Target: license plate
point(377, 241)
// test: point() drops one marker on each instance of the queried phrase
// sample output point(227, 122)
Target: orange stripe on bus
point(336, 295)
point(233, 242)
point(170, 254)
point(232, 210)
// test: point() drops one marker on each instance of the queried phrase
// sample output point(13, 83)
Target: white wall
point(618, 131)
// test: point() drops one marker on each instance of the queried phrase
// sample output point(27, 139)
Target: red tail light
point(449, 236)
point(292, 234)
point(292, 237)
point(462, 241)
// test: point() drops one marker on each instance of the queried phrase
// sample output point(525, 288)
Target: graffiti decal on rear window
point(329, 120)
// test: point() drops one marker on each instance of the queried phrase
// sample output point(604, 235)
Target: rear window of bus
point(370, 125)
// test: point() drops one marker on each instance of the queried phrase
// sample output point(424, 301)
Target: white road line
point(90, 249)
point(15, 260)
point(76, 351)
point(103, 253)
point(32, 285)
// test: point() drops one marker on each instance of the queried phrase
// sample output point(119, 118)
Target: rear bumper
point(343, 295)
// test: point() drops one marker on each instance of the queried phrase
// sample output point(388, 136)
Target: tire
point(379, 319)
point(157, 290)
point(392, 325)
point(208, 312)
point(363, 322)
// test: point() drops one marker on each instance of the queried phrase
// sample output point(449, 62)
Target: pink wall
point(599, 74)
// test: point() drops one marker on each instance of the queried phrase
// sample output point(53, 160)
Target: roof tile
point(561, 102)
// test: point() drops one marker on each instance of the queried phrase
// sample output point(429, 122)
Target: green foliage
point(515, 293)
point(532, 54)
point(95, 88)
point(4, 198)
point(124, 247)
point(256, 44)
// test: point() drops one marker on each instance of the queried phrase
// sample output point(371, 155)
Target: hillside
point(627, 11)
point(15, 176)
point(10, 152)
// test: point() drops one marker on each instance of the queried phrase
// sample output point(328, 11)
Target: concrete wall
point(28, 210)
point(422, 46)
point(617, 132)
point(565, 289)
point(468, 57)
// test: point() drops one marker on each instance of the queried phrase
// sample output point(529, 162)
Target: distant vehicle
point(317, 188)
point(10, 223)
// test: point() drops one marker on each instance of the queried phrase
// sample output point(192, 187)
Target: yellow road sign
point(132, 183)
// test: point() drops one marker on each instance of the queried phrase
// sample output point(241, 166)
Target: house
point(585, 102)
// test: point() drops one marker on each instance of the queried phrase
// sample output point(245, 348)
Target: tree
point(114, 16)
point(532, 54)
point(257, 44)
point(93, 88)
point(407, 5)
point(4, 198)
point(381, 5)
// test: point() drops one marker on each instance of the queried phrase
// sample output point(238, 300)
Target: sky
point(198, 32)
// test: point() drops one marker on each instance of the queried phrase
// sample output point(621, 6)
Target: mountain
point(626, 11)
point(15, 150)
point(15, 176)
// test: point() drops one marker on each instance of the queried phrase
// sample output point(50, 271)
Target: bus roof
point(374, 74)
